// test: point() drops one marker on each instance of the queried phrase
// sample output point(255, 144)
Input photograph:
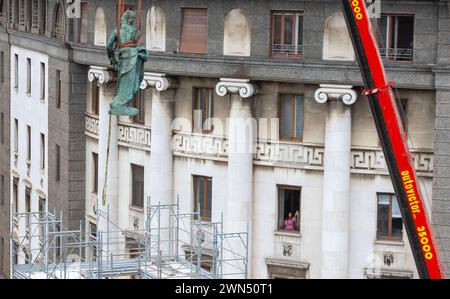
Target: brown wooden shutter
point(194, 30)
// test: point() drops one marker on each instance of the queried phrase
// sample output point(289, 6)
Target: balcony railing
point(287, 50)
point(59, 31)
point(397, 54)
point(3, 22)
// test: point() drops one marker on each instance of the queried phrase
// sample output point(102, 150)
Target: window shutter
point(194, 30)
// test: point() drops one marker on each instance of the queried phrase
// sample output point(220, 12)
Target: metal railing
point(397, 54)
point(59, 31)
point(287, 50)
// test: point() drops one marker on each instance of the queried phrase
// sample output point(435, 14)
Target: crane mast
point(393, 140)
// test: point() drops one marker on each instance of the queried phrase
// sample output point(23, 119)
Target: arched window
point(156, 30)
point(100, 28)
point(337, 44)
point(237, 35)
point(59, 22)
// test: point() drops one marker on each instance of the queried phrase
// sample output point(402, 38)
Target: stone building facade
point(275, 78)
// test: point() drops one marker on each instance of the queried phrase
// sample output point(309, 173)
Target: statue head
point(128, 17)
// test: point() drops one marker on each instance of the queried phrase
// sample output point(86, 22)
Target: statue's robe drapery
point(130, 70)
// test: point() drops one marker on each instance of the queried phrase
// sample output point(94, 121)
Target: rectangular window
point(28, 206)
point(42, 89)
point(28, 76)
point(15, 196)
point(289, 208)
point(389, 218)
point(395, 36)
point(287, 34)
point(28, 143)
point(95, 173)
point(291, 117)
point(202, 198)
point(2, 67)
point(58, 163)
point(84, 23)
point(16, 71)
point(137, 173)
point(203, 110)
point(42, 158)
point(194, 30)
point(58, 89)
point(16, 136)
point(2, 128)
point(2, 190)
point(139, 103)
point(95, 98)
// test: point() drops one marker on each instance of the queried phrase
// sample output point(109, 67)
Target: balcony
point(287, 50)
point(59, 31)
point(3, 22)
point(397, 54)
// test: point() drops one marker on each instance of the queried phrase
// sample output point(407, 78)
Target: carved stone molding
point(200, 145)
point(335, 92)
point(91, 124)
point(241, 86)
point(134, 136)
point(101, 74)
point(158, 81)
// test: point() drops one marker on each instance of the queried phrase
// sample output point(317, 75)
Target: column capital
point(336, 92)
point(100, 73)
point(157, 80)
point(242, 86)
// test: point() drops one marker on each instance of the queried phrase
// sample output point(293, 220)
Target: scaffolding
point(173, 245)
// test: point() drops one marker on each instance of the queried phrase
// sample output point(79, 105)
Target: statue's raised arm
point(130, 64)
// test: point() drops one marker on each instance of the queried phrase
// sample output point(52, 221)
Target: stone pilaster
point(336, 181)
point(161, 160)
point(241, 139)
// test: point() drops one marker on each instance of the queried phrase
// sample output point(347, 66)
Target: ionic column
point(336, 181)
point(241, 140)
point(104, 80)
point(161, 159)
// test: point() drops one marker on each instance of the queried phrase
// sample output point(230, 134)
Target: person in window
point(297, 220)
point(289, 222)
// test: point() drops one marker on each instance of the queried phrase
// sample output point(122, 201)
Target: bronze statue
point(129, 64)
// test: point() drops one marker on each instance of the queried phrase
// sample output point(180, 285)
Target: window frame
point(209, 104)
point(182, 17)
point(94, 187)
point(293, 188)
point(386, 57)
point(139, 97)
point(42, 154)
point(95, 98)
point(203, 218)
point(296, 26)
point(29, 69)
point(132, 193)
point(389, 237)
point(293, 124)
